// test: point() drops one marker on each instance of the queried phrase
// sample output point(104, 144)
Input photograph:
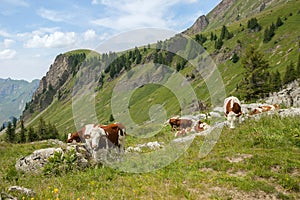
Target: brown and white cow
point(180, 123)
point(198, 126)
point(232, 110)
point(264, 108)
point(91, 134)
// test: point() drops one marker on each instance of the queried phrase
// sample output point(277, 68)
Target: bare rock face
point(57, 74)
point(200, 24)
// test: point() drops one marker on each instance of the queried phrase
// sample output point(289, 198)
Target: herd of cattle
point(113, 135)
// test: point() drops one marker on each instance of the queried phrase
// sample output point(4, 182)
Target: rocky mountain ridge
point(228, 11)
point(14, 94)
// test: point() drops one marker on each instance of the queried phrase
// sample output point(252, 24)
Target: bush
point(61, 163)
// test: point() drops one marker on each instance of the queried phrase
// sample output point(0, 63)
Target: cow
point(180, 123)
point(73, 137)
point(198, 126)
point(264, 108)
point(232, 110)
point(92, 135)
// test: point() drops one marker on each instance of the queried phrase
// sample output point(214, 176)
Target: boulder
point(289, 96)
point(39, 158)
point(35, 161)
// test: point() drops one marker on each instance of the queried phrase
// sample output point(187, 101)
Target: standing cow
point(232, 110)
point(95, 135)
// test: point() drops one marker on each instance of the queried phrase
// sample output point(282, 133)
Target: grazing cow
point(179, 123)
point(92, 135)
point(232, 110)
point(264, 108)
point(73, 137)
point(197, 127)
point(116, 134)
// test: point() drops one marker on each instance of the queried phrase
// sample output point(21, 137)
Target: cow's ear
point(87, 136)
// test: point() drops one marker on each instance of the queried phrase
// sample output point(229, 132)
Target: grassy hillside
point(239, 9)
point(258, 159)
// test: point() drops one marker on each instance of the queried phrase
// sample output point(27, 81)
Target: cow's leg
point(231, 118)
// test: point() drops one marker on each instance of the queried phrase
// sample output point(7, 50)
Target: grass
point(273, 168)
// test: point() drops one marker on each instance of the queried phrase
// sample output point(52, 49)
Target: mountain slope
point(230, 11)
point(282, 49)
point(14, 94)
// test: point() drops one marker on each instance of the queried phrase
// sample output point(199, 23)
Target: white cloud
point(90, 35)
point(53, 15)
point(3, 33)
point(127, 14)
point(7, 54)
point(53, 40)
point(8, 42)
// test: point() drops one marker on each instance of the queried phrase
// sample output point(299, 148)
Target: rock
point(215, 114)
point(200, 24)
point(37, 160)
point(147, 146)
point(6, 196)
point(21, 190)
point(289, 96)
point(289, 112)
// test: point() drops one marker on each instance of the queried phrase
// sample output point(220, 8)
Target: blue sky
point(33, 32)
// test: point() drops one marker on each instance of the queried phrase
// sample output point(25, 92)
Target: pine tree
point(31, 135)
point(290, 74)
point(41, 130)
point(235, 58)
point(218, 44)
point(10, 133)
point(255, 83)
point(200, 38)
point(225, 34)
point(279, 22)
point(253, 25)
point(111, 118)
point(275, 82)
point(267, 35)
point(22, 133)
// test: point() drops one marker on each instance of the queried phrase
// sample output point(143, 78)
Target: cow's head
point(93, 137)
point(121, 137)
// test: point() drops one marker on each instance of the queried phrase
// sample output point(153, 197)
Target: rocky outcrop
point(200, 24)
point(289, 96)
point(53, 84)
point(56, 76)
point(39, 158)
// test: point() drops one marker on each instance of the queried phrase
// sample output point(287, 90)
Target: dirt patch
point(239, 158)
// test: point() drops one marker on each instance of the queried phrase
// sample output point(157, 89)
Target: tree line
point(43, 131)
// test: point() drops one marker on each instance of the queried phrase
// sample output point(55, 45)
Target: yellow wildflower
point(55, 190)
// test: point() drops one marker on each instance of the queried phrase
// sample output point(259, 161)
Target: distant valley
point(13, 97)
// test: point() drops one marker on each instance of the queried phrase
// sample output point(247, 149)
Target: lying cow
point(196, 128)
point(264, 108)
point(232, 110)
point(180, 123)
